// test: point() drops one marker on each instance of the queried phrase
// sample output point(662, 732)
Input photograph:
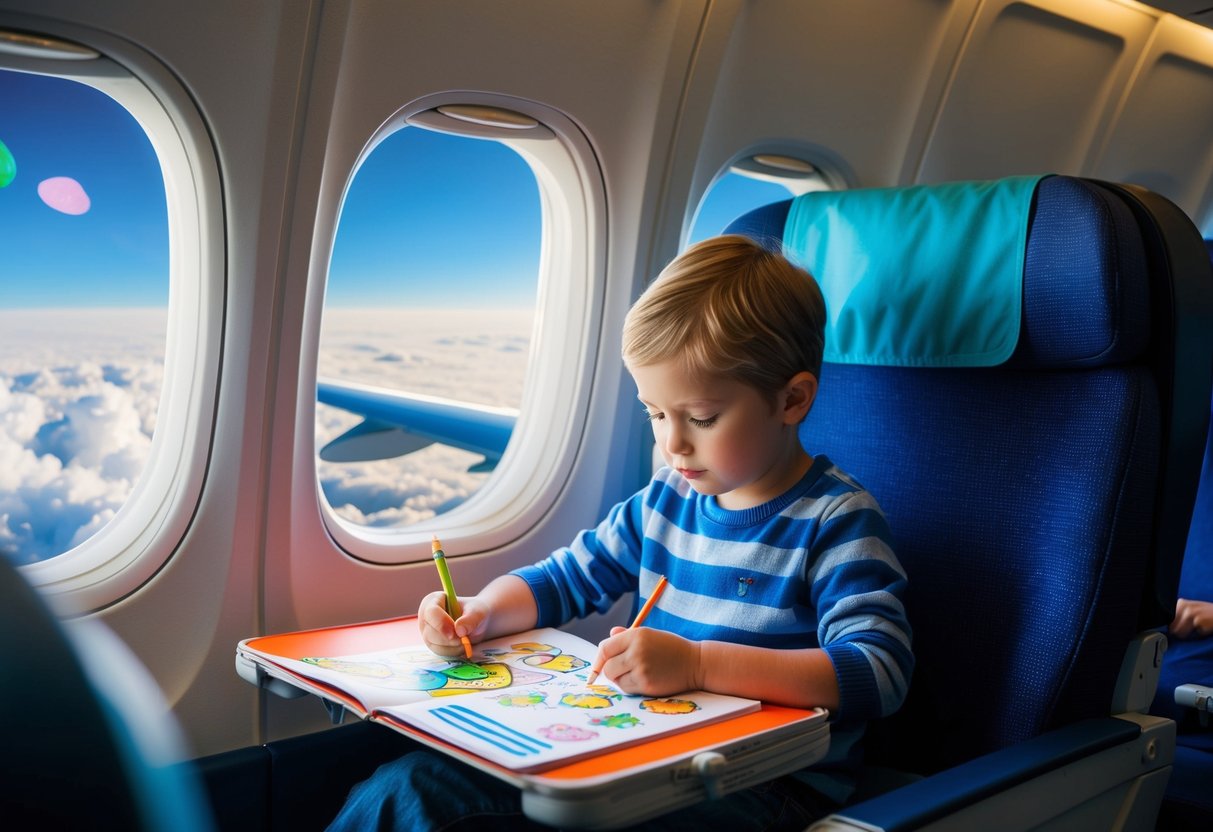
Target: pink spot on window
point(64, 194)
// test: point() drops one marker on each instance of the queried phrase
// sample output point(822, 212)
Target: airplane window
point(729, 197)
point(427, 325)
point(755, 180)
point(83, 311)
point(111, 308)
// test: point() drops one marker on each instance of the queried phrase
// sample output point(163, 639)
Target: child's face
point(724, 436)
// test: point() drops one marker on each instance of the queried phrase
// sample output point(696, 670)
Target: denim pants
point(428, 791)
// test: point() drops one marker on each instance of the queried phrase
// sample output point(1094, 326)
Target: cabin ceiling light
point(39, 46)
point(489, 116)
point(784, 164)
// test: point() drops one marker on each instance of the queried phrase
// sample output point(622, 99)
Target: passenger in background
point(783, 584)
point(1188, 804)
point(1193, 619)
point(1188, 661)
point(1189, 656)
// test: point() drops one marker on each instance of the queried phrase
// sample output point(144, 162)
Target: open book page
point(411, 673)
point(521, 701)
point(536, 726)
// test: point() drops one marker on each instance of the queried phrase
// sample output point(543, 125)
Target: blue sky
point(730, 197)
point(438, 220)
point(115, 254)
point(430, 220)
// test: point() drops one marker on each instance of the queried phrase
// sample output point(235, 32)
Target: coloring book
point(522, 702)
point(522, 711)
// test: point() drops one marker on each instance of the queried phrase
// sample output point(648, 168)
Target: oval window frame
point(538, 461)
point(143, 535)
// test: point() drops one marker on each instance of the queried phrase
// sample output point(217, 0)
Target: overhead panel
point(1198, 11)
point(791, 68)
point(1036, 84)
point(1162, 137)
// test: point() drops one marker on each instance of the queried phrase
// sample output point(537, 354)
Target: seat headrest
point(1029, 271)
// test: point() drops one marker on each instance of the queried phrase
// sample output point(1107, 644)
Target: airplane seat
point(1188, 803)
point(1034, 450)
point(88, 741)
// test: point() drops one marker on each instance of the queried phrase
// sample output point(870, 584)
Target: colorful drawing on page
point(495, 676)
point(422, 671)
point(490, 731)
point(563, 732)
point(530, 699)
point(520, 650)
point(564, 663)
point(669, 706)
point(590, 701)
point(525, 676)
point(616, 721)
point(465, 672)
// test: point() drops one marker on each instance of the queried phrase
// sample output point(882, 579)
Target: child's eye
point(703, 423)
point(653, 417)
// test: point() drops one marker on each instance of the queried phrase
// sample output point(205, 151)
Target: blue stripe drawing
point(490, 731)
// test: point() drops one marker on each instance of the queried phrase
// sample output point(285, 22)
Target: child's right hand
point(441, 634)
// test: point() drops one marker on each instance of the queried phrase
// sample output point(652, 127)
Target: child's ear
point(798, 396)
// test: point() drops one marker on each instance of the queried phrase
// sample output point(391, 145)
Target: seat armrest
point(1110, 742)
point(1139, 672)
point(1197, 697)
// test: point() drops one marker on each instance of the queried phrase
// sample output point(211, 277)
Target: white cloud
point(76, 416)
point(472, 356)
point(79, 391)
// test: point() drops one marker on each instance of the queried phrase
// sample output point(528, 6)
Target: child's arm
point(657, 663)
point(512, 603)
point(799, 678)
point(505, 606)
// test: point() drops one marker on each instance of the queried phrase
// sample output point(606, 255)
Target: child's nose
point(676, 440)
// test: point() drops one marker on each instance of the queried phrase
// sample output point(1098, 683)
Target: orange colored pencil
point(596, 668)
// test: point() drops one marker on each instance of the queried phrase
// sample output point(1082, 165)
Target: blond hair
point(729, 307)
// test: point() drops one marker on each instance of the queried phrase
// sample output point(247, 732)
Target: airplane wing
point(397, 423)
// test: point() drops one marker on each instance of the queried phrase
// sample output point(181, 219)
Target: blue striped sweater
point(812, 568)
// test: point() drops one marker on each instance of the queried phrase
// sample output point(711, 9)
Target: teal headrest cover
point(923, 276)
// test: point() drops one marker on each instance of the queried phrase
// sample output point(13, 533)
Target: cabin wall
point(241, 63)
point(667, 96)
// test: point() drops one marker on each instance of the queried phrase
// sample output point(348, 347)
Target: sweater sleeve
point(857, 587)
point(600, 566)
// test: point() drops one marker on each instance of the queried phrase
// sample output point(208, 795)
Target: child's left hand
point(650, 662)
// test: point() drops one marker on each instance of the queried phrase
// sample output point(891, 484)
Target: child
point(782, 582)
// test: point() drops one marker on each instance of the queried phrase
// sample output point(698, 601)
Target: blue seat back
point(1196, 580)
point(88, 743)
point(1027, 499)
